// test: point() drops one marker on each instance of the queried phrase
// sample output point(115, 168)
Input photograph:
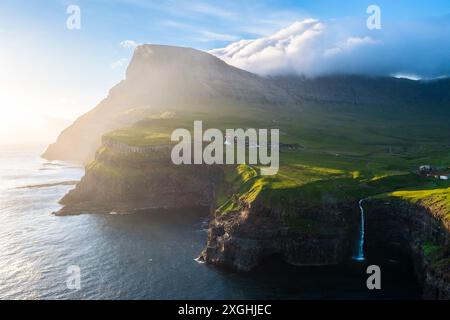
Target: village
point(435, 172)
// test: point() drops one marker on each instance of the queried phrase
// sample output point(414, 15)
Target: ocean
point(150, 255)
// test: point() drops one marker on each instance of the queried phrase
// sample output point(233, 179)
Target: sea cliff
point(242, 239)
point(420, 231)
point(122, 181)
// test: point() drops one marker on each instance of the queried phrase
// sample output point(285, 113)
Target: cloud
point(119, 63)
point(312, 47)
point(214, 36)
point(210, 10)
point(200, 34)
point(129, 44)
point(349, 44)
point(406, 76)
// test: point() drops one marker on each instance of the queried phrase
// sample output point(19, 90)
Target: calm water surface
point(144, 256)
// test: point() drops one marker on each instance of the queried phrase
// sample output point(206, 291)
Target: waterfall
point(360, 252)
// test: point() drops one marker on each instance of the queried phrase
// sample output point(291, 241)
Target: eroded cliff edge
point(420, 231)
point(125, 179)
point(242, 239)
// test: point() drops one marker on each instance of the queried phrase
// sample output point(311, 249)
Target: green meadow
point(343, 155)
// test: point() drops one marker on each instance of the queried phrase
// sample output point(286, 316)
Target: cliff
point(121, 181)
point(242, 239)
point(421, 232)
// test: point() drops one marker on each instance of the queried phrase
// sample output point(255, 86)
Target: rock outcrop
point(420, 232)
point(126, 182)
point(240, 240)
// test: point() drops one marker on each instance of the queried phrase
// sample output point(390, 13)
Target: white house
point(425, 169)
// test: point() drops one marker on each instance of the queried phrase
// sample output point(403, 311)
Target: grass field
point(343, 156)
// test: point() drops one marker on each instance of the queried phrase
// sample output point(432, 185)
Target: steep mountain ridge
point(161, 78)
point(166, 78)
point(365, 90)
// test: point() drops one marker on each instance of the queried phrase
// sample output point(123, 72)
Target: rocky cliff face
point(418, 231)
point(126, 182)
point(240, 240)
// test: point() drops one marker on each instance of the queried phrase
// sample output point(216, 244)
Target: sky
point(50, 75)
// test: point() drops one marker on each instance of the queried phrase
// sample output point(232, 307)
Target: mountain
point(166, 78)
point(161, 78)
point(362, 90)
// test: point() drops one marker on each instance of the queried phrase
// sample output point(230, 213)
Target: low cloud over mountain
point(312, 47)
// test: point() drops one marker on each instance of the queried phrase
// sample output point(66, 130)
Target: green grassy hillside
point(342, 157)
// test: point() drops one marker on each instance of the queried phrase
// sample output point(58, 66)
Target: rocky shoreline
point(240, 240)
point(418, 231)
point(116, 182)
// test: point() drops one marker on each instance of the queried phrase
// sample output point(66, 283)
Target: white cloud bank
point(312, 47)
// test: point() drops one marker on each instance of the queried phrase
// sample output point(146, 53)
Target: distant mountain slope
point(383, 91)
point(165, 78)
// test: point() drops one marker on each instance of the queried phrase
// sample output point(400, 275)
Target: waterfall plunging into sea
point(360, 249)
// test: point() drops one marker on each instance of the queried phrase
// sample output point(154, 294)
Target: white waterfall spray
point(360, 253)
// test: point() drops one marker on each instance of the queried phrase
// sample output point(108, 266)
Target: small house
point(425, 169)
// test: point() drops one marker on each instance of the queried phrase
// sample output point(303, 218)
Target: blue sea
point(150, 255)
